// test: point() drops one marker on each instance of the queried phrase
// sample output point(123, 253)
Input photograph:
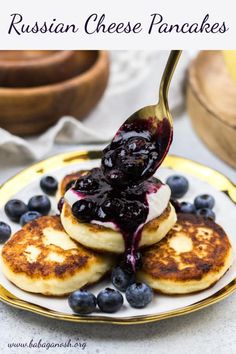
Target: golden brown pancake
point(102, 238)
point(41, 258)
point(193, 256)
point(67, 182)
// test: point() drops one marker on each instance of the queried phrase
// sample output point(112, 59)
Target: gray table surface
point(211, 330)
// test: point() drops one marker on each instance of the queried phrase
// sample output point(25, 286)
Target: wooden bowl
point(211, 104)
point(29, 68)
point(30, 111)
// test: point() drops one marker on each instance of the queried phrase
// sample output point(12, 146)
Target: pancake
point(102, 238)
point(194, 255)
point(67, 182)
point(41, 258)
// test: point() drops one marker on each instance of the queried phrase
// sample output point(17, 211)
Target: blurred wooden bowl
point(29, 68)
point(30, 111)
point(211, 104)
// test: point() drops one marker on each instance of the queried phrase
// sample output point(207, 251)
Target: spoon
point(142, 142)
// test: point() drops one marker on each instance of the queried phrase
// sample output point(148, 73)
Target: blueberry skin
point(176, 204)
point(29, 216)
point(139, 295)
point(204, 201)
point(121, 279)
point(206, 213)
point(83, 210)
point(178, 184)
point(187, 208)
point(87, 185)
point(40, 203)
point(110, 300)
point(49, 185)
point(14, 208)
point(82, 302)
point(5, 232)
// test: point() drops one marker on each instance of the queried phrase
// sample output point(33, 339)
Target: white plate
point(26, 184)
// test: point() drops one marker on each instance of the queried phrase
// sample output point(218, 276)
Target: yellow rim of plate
point(19, 181)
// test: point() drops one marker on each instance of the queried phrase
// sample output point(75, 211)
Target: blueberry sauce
point(117, 191)
point(136, 151)
point(60, 204)
point(126, 207)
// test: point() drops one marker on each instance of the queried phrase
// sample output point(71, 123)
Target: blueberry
point(133, 214)
point(206, 213)
point(139, 295)
point(110, 207)
point(49, 185)
point(87, 184)
point(15, 208)
point(178, 185)
point(118, 204)
point(101, 215)
point(176, 204)
point(110, 300)
point(137, 210)
point(115, 177)
point(5, 232)
point(133, 166)
point(136, 144)
point(83, 210)
point(107, 159)
point(29, 216)
point(40, 203)
point(121, 279)
point(186, 207)
point(204, 201)
point(106, 209)
point(82, 302)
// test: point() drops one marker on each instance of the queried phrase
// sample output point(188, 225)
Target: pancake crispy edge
point(42, 258)
point(194, 255)
point(68, 180)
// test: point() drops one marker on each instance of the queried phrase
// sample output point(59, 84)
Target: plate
point(202, 179)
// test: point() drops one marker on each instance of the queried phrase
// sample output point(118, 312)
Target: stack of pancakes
point(55, 256)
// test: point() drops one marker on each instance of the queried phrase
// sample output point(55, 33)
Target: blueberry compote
point(136, 151)
point(117, 192)
point(126, 207)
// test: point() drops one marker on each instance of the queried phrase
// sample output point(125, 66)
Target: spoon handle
point(167, 75)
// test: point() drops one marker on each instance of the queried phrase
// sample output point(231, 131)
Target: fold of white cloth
point(133, 83)
point(67, 130)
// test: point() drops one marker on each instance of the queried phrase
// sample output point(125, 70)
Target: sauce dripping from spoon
point(117, 191)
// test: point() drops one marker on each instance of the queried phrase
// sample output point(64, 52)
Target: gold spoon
point(161, 109)
point(153, 122)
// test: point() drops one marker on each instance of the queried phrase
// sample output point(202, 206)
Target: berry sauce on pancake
point(118, 191)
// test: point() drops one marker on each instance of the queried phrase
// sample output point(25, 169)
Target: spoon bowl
point(160, 110)
point(142, 142)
